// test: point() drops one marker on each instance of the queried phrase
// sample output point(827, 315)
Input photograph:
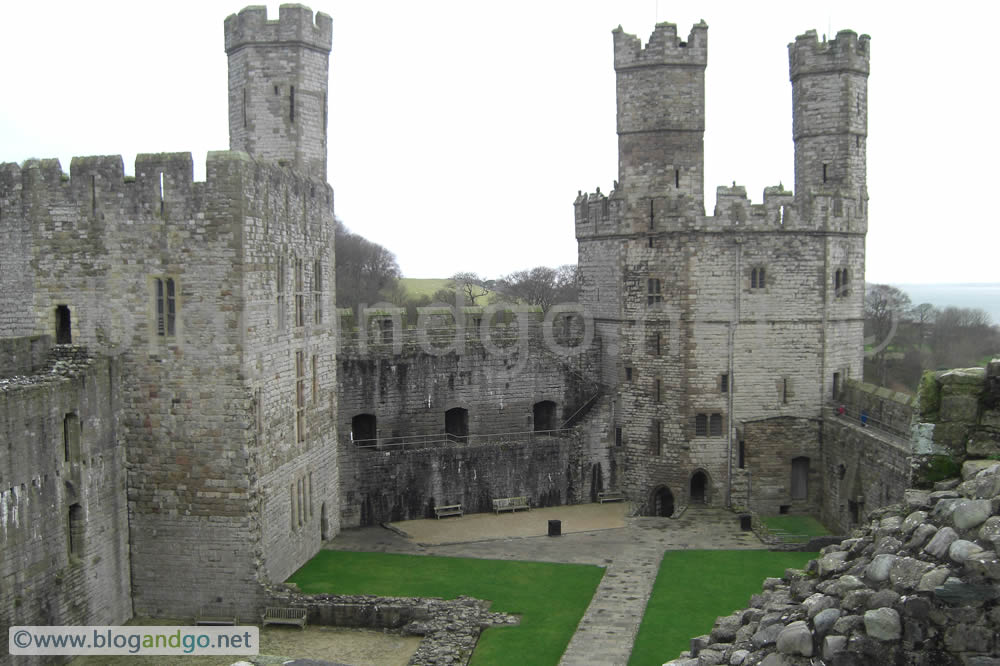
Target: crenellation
point(664, 47)
point(295, 23)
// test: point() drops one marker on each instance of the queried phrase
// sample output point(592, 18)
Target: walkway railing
point(447, 439)
point(867, 421)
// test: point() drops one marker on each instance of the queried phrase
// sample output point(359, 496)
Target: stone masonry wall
point(392, 485)
point(62, 473)
point(210, 408)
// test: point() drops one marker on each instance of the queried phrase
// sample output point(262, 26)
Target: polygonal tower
point(661, 113)
point(278, 74)
point(830, 116)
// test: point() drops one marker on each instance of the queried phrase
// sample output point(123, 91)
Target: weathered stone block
point(883, 624)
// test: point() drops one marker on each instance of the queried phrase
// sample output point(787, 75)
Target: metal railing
point(447, 439)
point(865, 420)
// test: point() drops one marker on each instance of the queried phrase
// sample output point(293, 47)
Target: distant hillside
point(416, 287)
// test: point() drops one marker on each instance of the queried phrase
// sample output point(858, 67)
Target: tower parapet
point(278, 78)
point(664, 47)
point(661, 116)
point(295, 24)
point(830, 116)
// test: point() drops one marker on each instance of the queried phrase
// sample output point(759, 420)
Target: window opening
point(166, 307)
point(715, 425)
point(64, 329)
point(544, 413)
point(300, 396)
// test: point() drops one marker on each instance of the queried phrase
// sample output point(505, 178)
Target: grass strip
point(694, 587)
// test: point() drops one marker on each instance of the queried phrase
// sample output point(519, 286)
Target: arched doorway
point(456, 422)
point(800, 478)
point(64, 329)
point(663, 502)
point(699, 487)
point(364, 429)
point(545, 415)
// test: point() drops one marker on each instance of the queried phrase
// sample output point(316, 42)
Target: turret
point(278, 74)
point(830, 116)
point(661, 114)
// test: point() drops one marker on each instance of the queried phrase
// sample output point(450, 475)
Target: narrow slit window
point(651, 214)
point(824, 173)
point(300, 396)
point(657, 437)
point(162, 194)
point(724, 383)
point(291, 104)
point(166, 307)
point(93, 194)
point(657, 389)
point(317, 292)
point(677, 177)
point(280, 288)
point(784, 390)
point(628, 374)
point(315, 379)
point(299, 296)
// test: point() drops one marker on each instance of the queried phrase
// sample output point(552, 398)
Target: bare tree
point(885, 305)
point(470, 285)
point(541, 286)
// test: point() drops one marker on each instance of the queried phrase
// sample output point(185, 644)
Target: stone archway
point(699, 487)
point(662, 502)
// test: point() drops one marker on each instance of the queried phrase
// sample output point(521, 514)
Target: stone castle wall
point(399, 484)
point(64, 551)
point(210, 407)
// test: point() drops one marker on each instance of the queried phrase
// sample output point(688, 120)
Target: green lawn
point(693, 587)
point(799, 529)
point(550, 598)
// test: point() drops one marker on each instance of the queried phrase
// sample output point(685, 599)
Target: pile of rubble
point(918, 586)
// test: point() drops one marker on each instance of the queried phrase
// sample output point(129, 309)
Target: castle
point(186, 416)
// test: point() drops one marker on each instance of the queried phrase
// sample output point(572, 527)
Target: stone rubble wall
point(450, 629)
point(919, 584)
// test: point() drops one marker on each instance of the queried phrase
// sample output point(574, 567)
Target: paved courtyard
point(601, 534)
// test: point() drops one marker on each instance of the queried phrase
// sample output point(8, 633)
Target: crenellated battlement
point(295, 24)
point(163, 184)
point(664, 47)
point(846, 52)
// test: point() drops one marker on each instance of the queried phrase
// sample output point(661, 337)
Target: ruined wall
point(63, 510)
point(394, 484)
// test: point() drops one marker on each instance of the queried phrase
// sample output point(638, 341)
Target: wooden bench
point(214, 616)
point(610, 496)
point(510, 504)
point(448, 510)
point(296, 616)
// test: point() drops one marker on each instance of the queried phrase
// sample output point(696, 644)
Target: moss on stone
point(935, 468)
point(929, 396)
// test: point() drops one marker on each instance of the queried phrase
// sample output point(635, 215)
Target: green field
point(550, 598)
point(417, 287)
point(693, 587)
point(795, 529)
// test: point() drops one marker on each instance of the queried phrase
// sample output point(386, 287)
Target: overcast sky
point(460, 132)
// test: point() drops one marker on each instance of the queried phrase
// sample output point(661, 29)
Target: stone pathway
point(631, 554)
point(609, 627)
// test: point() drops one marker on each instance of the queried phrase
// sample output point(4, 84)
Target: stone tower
point(661, 113)
point(278, 78)
point(830, 116)
point(724, 335)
